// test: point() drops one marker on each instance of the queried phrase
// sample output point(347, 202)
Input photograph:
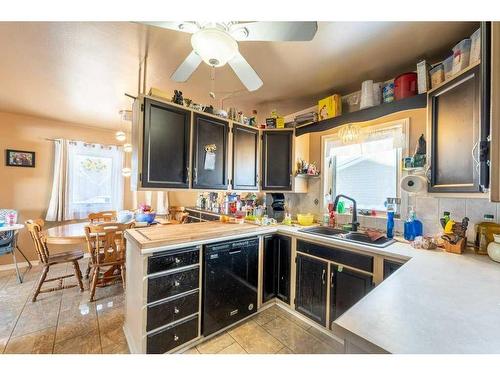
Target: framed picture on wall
point(17, 158)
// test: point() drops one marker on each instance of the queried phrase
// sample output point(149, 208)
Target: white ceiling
point(79, 71)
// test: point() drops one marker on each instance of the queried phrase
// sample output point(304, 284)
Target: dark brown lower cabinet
point(170, 337)
point(277, 263)
point(311, 288)
point(347, 288)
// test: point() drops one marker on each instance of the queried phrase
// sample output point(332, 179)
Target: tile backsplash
point(429, 210)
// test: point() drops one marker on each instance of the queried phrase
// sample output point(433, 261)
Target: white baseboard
point(12, 266)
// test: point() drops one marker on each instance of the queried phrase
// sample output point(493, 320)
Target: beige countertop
point(435, 303)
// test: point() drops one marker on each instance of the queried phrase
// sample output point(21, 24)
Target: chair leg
point(122, 268)
point(93, 284)
point(87, 271)
point(41, 280)
point(78, 274)
point(19, 277)
point(25, 258)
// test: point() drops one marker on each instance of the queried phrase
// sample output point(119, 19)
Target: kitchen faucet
point(354, 223)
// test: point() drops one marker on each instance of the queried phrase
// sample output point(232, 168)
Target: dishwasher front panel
point(230, 283)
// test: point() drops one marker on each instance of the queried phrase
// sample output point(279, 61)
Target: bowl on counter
point(305, 219)
point(125, 216)
point(145, 217)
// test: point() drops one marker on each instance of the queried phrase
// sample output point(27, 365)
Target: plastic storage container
point(448, 67)
point(437, 75)
point(475, 46)
point(461, 55)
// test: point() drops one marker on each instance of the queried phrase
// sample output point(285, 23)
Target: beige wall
point(28, 189)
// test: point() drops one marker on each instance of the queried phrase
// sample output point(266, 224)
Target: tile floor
point(66, 322)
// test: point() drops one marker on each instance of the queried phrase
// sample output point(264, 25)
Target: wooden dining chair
point(102, 217)
point(106, 245)
point(35, 228)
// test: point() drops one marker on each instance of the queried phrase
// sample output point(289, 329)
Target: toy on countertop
point(177, 98)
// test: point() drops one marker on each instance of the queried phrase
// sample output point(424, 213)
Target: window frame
point(328, 166)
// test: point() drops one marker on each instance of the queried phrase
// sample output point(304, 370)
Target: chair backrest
point(175, 212)
point(102, 217)
point(35, 228)
point(105, 242)
point(183, 217)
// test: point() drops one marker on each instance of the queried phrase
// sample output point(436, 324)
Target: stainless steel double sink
point(356, 237)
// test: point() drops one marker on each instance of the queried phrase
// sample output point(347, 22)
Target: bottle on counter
point(481, 241)
point(390, 220)
point(412, 227)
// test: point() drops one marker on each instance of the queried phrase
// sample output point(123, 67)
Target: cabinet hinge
point(142, 107)
point(484, 151)
point(140, 177)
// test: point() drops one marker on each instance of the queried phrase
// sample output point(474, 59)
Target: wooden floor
point(66, 322)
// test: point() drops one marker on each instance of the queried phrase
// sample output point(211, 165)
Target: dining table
point(74, 233)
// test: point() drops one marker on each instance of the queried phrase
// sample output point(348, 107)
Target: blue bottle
point(390, 221)
point(412, 227)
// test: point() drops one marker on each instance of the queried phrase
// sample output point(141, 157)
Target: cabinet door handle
point(176, 310)
point(187, 175)
point(323, 276)
point(176, 338)
point(196, 175)
point(331, 280)
point(176, 283)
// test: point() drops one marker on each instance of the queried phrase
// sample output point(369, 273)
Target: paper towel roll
point(414, 183)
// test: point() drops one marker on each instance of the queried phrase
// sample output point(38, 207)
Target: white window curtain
point(87, 178)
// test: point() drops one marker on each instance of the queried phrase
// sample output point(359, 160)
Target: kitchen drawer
point(170, 260)
point(164, 313)
point(168, 285)
point(172, 336)
point(348, 258)
point(209, 217)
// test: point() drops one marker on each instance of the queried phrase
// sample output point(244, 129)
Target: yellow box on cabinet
point(280, 122)
point(153, 91)
point(330, 107)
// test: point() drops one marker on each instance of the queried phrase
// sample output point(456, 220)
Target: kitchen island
point(435, 303)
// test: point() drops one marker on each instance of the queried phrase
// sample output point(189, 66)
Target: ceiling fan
point(216, 43)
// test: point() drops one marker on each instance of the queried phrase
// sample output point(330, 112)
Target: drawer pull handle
point(177, 260)
point(176, 310)
point(176, 283)
point(176, 338)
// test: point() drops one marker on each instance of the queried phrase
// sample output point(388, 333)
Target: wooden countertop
point(166, 235)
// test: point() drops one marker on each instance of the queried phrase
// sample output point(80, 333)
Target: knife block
point(457, 248)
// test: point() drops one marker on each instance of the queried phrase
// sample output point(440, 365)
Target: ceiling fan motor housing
point(215, 46)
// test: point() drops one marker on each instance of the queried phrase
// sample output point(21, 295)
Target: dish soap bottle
point(408, 227)
point(390, 220)
point(417, 227)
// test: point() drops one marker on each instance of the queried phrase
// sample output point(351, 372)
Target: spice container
point(388, 92)
point(437, 75)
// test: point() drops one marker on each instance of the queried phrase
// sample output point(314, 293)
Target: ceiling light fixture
point(215, 46)
point(126, 172)
point(127, 147)
point(120, 136)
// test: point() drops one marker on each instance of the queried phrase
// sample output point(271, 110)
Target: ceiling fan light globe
point(215, 47)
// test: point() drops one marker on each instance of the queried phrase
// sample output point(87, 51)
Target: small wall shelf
point(367, 114)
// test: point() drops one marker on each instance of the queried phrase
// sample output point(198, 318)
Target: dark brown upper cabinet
point(455, 125)
point(165, 152)
point(459, 121)
point(245, 164)
point(210, 141)
point(277, 148)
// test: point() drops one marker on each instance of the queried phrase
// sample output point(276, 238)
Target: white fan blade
point(274, 31)
point(187, 27)
point(245, 72)
point(188, 66)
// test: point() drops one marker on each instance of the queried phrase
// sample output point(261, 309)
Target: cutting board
point(165, 235)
